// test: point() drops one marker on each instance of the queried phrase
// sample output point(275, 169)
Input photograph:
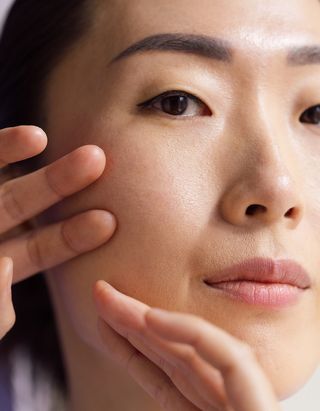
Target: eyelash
point(149, 104)
point(311, 110)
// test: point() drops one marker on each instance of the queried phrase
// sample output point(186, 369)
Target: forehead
point(249, 25)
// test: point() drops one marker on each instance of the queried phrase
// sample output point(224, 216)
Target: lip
point(263, 281)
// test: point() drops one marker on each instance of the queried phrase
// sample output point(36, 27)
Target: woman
point(208, 117)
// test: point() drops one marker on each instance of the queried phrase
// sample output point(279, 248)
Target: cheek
point(162, 194)
point(154, 190)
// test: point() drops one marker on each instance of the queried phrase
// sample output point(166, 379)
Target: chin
point(288, 378)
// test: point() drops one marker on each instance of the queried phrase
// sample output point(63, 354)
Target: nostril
point(254, 208)
point(290, 212)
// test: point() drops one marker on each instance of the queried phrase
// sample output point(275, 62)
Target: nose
point(266, 188)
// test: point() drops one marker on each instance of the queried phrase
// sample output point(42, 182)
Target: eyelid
point(170, 93)
point(305, 111)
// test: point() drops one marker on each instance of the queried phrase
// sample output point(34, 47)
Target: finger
point(19, 143)
point(126, 315)
point(154, 381)
point(26, 196)
point(179, 379)
point(246, 385)
point(197, 380)
point(157, 353)
point(7, 314)
point(48, 246)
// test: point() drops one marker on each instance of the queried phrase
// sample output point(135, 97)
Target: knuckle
point(53, 186)
point(10, 202)
point(189, 355)
point(34, 250)
point(187, 361)
point(68, 238)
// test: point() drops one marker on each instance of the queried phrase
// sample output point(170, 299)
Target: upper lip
point(264, 270)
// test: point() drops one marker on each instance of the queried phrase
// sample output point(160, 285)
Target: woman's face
point(180, 182)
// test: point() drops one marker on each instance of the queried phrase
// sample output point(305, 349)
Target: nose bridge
point(264, 134)
point(265, 179)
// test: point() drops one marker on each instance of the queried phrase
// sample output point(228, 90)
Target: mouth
point(273, 295)
point(262, 282)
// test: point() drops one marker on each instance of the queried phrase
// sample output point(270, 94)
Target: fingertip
point(102, 224)
point(95, 152)
point(100, 288)
point(101, 292)
point(96, 226)
point(37, 140)
point(41, 136)
point(101, 285)
point(104, 218)
point(31, 130)
point(22, 142)
point(99, 157)
point(93, 160)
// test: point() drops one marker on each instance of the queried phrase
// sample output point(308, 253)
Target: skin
point(180, 188)
point(29, 249)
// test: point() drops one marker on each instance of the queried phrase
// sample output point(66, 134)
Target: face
point(183, 170)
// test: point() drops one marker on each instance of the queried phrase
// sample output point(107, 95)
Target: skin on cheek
point(109, 163)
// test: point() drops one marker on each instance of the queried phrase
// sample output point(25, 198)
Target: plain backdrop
point(308, 398)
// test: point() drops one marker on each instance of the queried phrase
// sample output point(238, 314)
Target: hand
point(24, 197)
point(184, 362)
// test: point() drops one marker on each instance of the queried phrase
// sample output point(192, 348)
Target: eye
point(311, 116)
point(177, 103)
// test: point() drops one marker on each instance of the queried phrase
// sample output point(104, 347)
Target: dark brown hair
point(35, 37)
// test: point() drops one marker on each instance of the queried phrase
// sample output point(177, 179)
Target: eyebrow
point(300, 56)
point(211, 47)
point(196, 44)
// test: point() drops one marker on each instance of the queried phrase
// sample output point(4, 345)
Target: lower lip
point(263, 294)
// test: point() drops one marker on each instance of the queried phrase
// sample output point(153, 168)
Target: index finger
point(246, 385)
point(21, 142)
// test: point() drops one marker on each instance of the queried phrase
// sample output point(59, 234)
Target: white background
point(308, 398)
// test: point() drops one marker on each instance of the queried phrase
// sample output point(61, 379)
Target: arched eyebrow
point(211, 47)
point(196, 44)
point(300, 56)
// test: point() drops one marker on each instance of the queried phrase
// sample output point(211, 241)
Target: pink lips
point(263, 281)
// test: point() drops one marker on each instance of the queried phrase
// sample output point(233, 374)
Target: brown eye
point(177, 103)
point(311, 116)
point(174, 105)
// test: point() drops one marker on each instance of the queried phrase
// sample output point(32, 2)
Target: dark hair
point(35, 37)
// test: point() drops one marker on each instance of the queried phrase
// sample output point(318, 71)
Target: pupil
point(174, 104)
point(317, 114)
point(313, 116)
